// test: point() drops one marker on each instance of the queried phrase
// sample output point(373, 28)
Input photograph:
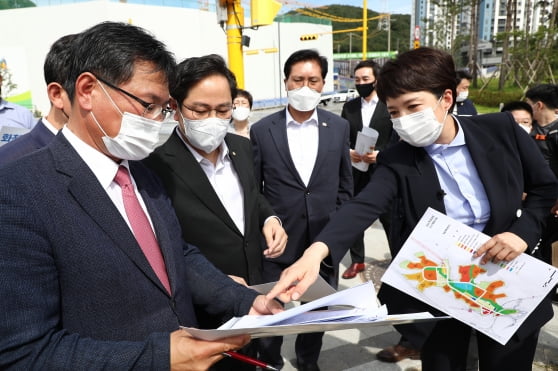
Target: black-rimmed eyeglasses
point(152, 111)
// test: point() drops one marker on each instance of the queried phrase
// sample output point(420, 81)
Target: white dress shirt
point(367, 110)
point(303, 144)
point(225, 182)
point(104, 169)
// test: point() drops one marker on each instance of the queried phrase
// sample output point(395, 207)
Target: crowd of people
point(109, 242)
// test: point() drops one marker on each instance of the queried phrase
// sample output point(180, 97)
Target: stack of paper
point(351, 308)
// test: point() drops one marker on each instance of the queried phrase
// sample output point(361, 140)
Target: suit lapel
point(379, 114)
point(424, 192)
point(187, 170)
point(164, 239)
point(241, 165)
point(278, 131)
point(325, 136)
point(490, 172)
point(88, 193)
point(355, 112)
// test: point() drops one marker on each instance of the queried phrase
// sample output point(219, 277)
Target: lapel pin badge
point(233, 153)
point(324, 124)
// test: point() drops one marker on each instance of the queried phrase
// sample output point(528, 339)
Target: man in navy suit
point(441, 162)
point(303, 168)
point(55, 71)
point(83, 287)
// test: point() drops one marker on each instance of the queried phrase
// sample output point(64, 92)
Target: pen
point(251, 361)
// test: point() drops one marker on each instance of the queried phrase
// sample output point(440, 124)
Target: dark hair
point(57, 61)
point(303, 56)
point(371, 64)
point(462, 74)
point(546, 93)
point(422, 69)
point(191, 71)
point(111, 50)
point(245, 94)
point(517, 106)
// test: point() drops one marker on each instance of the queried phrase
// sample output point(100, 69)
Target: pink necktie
point(141, 226)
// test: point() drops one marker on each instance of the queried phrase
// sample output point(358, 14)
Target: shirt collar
point(373, 101)
point(49, 126)
point(223, 153)
point(312, 120)
point(102, 166)
point(459, 140)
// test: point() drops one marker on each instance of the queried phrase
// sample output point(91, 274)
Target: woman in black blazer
point(475, 170)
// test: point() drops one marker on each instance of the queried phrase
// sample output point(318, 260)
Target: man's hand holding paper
point(364, 149)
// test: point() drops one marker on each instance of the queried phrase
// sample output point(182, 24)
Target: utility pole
point(262, 13)
point(235, 22)
point(364, 28)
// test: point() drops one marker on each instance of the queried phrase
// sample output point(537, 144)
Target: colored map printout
point(436, 266)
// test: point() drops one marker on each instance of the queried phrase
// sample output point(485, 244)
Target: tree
point(12, 4)
point(6, 84)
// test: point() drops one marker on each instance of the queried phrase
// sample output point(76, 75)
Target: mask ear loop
point(447, 112)
point(112, 102)
point(108, 96)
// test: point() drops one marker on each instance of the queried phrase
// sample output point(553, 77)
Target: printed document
point(355, 307)
point(436, 266)
point(365, 142)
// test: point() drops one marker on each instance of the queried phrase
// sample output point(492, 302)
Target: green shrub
point(494, 98)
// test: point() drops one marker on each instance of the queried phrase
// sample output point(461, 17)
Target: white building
point(529, 15)
point(29, 32)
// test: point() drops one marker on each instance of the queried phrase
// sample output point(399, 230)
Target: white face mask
point(304, 99)
point(419, 129)
point(462, 96)
point(241, 113)
point(137, 138)
point(206, 134)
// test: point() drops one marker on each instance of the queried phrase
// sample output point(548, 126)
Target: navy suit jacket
point(77, 291)
point(406, 177)
point(205, 221)
point(303, 209)
point(37, 138)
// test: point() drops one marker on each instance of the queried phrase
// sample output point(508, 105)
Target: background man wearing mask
point(463, 105)
point(303, 168)
point(368, 111)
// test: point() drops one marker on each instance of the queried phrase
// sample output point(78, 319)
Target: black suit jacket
point(380, 121)
point(303, 209)
point(406, 176)
point(203, 218)
point(77, 291)
point(37, 138)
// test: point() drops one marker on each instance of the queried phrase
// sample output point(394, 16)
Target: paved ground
point(355, 350)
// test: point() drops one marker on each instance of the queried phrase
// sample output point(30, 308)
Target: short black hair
point(517, 106)
point(245, 94)
point(422, 69)
point(370, 64)
point(304, 55)
point(57, 62)
point(546, 93)
point(110, 50)
point(192, 70)
point(462, 74)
